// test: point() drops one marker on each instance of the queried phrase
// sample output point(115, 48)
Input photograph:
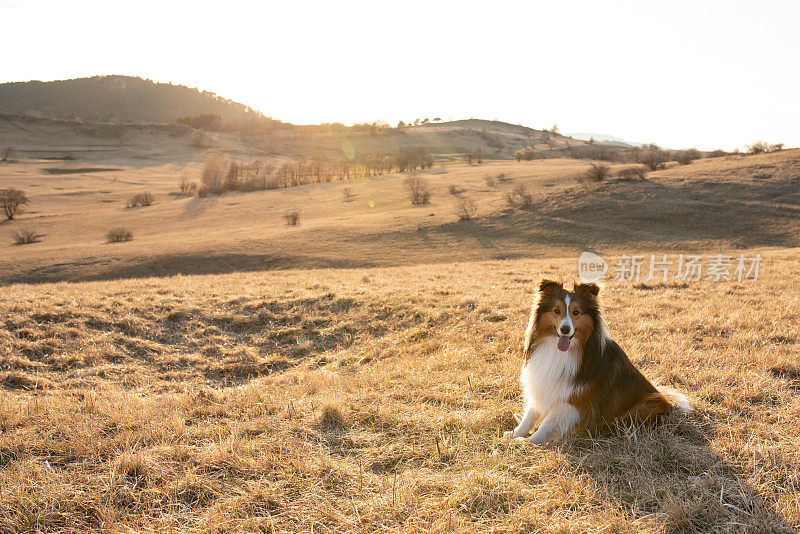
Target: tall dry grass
point(353, 401)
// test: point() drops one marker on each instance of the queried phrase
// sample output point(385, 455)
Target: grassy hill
point(115, 99)
point(224, 371)
point(716, 203)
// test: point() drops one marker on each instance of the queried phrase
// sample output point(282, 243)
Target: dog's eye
point(557, 311)
point(575, 312)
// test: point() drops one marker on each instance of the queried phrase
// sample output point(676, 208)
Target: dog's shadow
point(672, 477)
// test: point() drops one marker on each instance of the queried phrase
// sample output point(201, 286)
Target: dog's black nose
point(565, 329)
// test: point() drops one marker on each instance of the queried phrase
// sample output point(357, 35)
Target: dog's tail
point(676, 398)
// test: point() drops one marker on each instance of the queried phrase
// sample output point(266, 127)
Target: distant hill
point(604, 138)
point(116, 99)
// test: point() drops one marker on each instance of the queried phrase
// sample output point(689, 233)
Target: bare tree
point(6, 153)
point(214, 172)
point(653, 157)
point(11, 200)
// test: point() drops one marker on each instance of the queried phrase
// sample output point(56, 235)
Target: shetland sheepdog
point(574, 376)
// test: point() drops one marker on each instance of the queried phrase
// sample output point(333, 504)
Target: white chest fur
point(548, 374)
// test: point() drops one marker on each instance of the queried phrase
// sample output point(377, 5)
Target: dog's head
point(566, 314)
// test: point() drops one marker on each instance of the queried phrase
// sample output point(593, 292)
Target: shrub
point(186, 187)
point(292, 217)
point(491, 181)
point(119, 234)
point(6, 153)
point(653, 158)
point(140, 200)
point(23, 236)
point(503, 178)
point(474, 155)
point(597, 173)
point(527, 154)
point(637, 173)
point(348, 195)
point(685, 157)
point(418, 190)
point(519, 197)
point(11, 200)
point(454, 190)
point(466, 209)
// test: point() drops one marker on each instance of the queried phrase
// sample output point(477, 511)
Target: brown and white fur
point(574, 376)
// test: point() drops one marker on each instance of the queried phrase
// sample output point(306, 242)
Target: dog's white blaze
point(567, 319)
point(547, 377)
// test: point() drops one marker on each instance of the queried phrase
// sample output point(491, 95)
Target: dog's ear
point(546, 285)
point(592, 289)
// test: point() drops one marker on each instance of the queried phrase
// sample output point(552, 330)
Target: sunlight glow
point(707, 74)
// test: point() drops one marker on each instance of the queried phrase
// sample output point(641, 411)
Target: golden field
point(224, 372)
point(374, 400)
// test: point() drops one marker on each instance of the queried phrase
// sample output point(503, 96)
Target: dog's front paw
point(509, 434)
point(526, 441)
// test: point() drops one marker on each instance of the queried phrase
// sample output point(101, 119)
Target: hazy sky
point(681, 73)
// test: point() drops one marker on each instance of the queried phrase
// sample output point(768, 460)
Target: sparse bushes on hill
point(491, 139)
point(761, 147)
point(292, 217)
point(119, 235)
point(637, 173)
point(418, 190)
point(23, 236)
point(466, 209)
point(11, 200)
point(141, 200)
point(519, 197)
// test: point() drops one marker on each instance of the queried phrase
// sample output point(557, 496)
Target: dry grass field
point(364, 400)
point(226, 372)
